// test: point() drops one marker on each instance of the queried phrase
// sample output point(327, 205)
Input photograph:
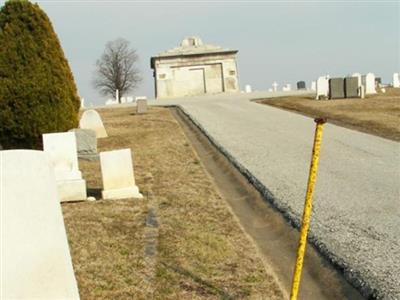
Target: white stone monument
point(275, 86)
point(82, 103)
point(322, 87)
point(62, 151)
point(369, 83)
point(118, 175)
point(91, 120)
point(287, 87)
point(313, 85)
point(247, 88)
point(35, 258)
point(396, 80)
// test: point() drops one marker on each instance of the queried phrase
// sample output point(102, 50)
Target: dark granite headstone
point(301, 85)
point(378, 80)
point(351, 87)
point(336, 88)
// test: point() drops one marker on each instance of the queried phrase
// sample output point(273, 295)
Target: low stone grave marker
point(322, 87)
point(336, 88)
point(35, 258)
point(351, 87)
point(301, 85)
point(247, 88)
point(61, 149)
point(141, 106)
point(91, 120)
point(86, 143)
point(118, 175)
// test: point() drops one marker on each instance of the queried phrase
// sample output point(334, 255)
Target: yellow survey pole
point(307, 208)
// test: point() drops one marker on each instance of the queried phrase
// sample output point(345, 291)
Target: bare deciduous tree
point(116, 69)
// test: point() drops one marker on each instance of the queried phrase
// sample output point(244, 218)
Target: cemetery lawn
point(376, 114)
point(180, 242)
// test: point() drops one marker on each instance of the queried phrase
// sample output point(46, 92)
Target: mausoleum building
point(194, 68)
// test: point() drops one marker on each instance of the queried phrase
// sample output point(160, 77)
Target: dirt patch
point(378, 114)
point(180, 242)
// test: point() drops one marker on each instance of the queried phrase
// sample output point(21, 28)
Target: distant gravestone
point(313, 85)
point(91, 120)
point(287, 87)
point(301, 85)
point(351, 87)
point(322, 87)
point(275, 86)
point(118, 175)
point(396, 80)
point(336, 88)
point(35, 258)
point(378, 81)
point(62, 151)
point(247, 88)
point(370, 84)
point(86, 143)
point(141, 106)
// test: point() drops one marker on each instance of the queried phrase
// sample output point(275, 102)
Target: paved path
point(356, 215)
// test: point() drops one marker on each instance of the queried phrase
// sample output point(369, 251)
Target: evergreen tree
point(37, 90)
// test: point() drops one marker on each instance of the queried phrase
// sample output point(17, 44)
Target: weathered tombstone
point(301, 85)
point(62, 152)
point(35, 258)
point(91, 120)
point(86, 143)
point(336, 88)
point(396, 80)
point(322, 87)
point(274, 86)
point(141, 106)
point(287, 87)
point(313, 85)
point(351, 87)
point(370, 84)
point(247, 88)
point(118, 175)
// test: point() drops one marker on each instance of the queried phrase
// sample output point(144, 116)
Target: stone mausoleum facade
point(194, 68)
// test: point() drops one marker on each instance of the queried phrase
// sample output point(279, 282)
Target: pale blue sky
point(284, 41)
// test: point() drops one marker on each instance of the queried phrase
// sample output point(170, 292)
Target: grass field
point(377, 114)
point(180, 242)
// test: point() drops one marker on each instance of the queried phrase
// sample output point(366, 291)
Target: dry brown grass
point(378, 114)
point(201, 250)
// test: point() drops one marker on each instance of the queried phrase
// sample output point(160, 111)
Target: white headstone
point(370, 84)
point(270, 90)
point(111, 102)
point(118, 176)
point(396, 80)
point(129, 99)
point(91, 120)
point(141, 106)
point(123, 100)
point(247, 88)
point(62, 151)
point(35, 258)
point(82, 102)
point(287, 87)
point(322, 86)
point(275, 86)
point(313, 85)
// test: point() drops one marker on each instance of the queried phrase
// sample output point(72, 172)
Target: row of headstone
point(348, 87)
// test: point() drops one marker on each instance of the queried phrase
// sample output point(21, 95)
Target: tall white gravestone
point(370, 84)
point(35, 258)
point(322, 87)
point(396, 80)
point(91, 120)
point(118, 175)
point(62, 151)
point(247, 88)
point(313, 85)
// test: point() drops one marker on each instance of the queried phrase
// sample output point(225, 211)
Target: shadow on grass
point(204, 284)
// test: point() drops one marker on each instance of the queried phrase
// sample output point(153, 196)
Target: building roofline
point(177, 55)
